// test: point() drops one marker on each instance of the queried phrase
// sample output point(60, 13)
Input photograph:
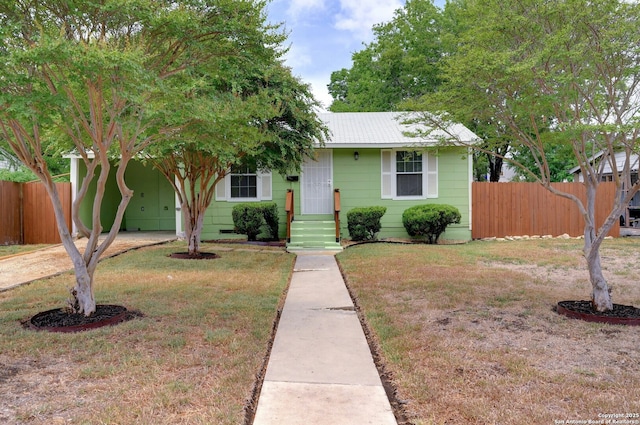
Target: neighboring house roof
point(620, 158)
point(379, 130)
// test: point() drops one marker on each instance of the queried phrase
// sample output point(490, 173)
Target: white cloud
point(298, 56)
point(299, 7)
point(319, 89)
point(359, 16)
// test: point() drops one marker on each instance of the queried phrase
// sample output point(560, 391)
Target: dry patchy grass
point(9, 250)
point(469, 334)
point(192, 358)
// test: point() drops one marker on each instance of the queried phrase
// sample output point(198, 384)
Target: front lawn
point(469, 334)
point(192, 359)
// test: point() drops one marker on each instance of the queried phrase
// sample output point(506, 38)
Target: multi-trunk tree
point(255, 115)
point(106, 80)
point(561, 74)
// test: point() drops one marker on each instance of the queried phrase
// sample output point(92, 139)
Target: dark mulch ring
point(198, 256)
point(583, 310)
point(60, 320)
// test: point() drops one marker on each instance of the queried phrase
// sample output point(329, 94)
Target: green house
point(368, 160)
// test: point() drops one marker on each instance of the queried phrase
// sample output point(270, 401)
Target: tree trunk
point(83, 301)
point(495, 168)
point(193, 229)
point(82, 297)
point(601, 295)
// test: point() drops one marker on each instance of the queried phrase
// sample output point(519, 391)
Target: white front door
point(317, 183)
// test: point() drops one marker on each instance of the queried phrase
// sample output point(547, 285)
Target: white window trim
point(264, 189)
point(389, 178)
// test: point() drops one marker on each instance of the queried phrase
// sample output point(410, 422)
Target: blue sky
point(323, 34)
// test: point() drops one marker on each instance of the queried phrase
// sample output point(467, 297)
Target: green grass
point(192, 358)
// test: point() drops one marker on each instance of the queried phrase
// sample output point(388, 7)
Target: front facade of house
point(368, 159)
point(372, 163)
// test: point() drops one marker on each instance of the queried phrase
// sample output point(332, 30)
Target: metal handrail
point(289, 208)
point(336, 212)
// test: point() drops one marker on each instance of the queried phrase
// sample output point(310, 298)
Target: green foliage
point(401, 62)
point(270, 214)
point(22, 175)
point(429, 220)
point(252, 219)
point(364, 223)
point(58, 167)
point(248, 220)
point(560, 159)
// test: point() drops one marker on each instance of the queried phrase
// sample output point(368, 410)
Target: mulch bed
point(60, 320)
point(198, 256)
point(620, 315)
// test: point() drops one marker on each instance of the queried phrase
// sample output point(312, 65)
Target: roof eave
point(412, 144)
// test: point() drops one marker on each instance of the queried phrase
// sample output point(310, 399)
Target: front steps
point(313, 235)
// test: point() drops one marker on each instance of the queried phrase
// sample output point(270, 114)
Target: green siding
point(151, 208)
point(218, 220)
point(360, 185)
point(153, 204)
point(110, 200)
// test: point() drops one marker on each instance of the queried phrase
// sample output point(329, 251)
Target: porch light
point(356, 155)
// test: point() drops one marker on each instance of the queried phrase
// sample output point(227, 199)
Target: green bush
point(429, 221)
point(253, 219)
point(364, 223)
point(270, 214)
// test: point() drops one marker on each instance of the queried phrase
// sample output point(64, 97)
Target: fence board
point(39, 219)
point(10, 222)
point(517, 209)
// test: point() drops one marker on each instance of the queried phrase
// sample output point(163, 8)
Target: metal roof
point(380, 130)
point(620, 158)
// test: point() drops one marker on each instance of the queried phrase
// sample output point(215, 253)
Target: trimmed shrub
point(364, 223)
point(253, 219)
point(270, 214)
point(429, 220)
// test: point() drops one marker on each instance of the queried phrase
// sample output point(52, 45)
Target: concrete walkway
point(320, 370)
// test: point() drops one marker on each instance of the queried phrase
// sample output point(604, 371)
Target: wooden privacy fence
point(10, 213)
point(26, 213)
point(518, 209)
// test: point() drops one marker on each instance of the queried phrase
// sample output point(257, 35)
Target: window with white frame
point(244, 184)
point(409, 174)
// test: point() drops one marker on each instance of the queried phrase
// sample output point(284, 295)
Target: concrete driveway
point(16, 270)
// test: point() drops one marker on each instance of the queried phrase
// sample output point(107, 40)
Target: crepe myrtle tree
point(553, 73)
point(94, 78)
point(264, 119)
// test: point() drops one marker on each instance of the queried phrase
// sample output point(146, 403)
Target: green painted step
point(313, 235)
